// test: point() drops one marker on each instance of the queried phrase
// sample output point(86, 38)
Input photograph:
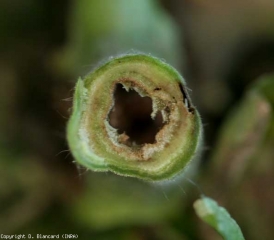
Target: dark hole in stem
point(132, 114)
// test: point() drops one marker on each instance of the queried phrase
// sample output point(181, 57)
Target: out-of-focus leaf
point(241, 137)
point(265, 87)
point(99, 29)
point(218, 218)
point(242, 161)
point(112, 201)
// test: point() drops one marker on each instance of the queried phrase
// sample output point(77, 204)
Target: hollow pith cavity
point(131, 114)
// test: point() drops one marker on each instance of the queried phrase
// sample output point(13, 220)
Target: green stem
point(218, 218)
point(133, 116)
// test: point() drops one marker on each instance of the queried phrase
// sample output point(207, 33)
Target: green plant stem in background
point(243, 161)
point(245, 131)
point(133, 116)
point(98, 29)
point(218, 218)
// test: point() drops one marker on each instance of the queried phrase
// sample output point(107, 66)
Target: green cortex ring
point(133, 116)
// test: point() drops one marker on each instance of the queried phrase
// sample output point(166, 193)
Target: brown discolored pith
point(131, 116)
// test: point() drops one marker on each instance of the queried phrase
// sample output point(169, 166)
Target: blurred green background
point(221, 48)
